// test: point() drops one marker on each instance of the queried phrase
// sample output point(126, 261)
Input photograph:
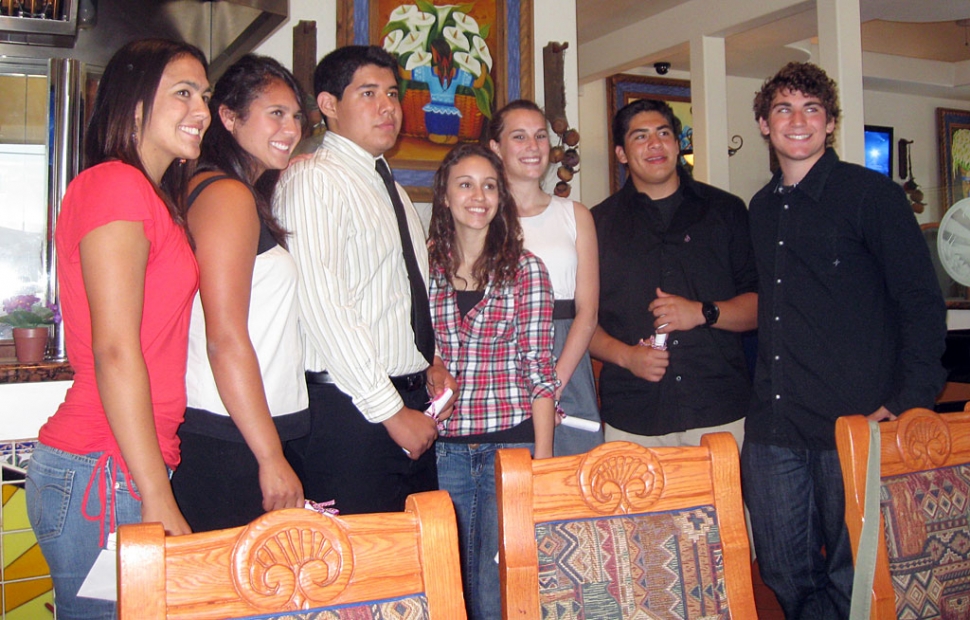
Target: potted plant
point(30, 321)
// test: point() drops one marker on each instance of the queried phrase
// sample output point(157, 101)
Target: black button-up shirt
point(704, 255)
point(850, 314)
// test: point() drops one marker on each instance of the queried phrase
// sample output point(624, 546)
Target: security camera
point(662, 67)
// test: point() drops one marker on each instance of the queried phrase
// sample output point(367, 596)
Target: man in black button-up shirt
point(851, 321)
point(675, 259)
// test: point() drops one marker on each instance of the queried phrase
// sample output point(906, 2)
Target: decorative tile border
point(16, 453)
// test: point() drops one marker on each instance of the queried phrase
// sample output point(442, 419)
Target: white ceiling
point(910, 29)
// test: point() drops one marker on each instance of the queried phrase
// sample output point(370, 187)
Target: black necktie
point(420, 308)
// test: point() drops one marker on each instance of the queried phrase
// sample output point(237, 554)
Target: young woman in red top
point(127, 279)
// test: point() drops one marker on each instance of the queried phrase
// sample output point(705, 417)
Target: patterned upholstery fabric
point(928, 542)
point(660, 565)
point(406, 608)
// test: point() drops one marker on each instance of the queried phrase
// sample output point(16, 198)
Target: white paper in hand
point(102, 579)
point(582, 424)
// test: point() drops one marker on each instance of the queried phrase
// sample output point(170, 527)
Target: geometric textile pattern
point(405, 608)
point(661, 565)
point(927, 520)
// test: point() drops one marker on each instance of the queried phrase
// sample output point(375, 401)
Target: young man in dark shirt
point(676, 260)
point(851, 321)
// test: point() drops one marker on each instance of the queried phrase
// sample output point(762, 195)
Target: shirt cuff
point(380, 405)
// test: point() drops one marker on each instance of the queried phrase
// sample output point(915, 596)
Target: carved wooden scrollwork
point(612, 481)
point(923, 439)
point(307, 564)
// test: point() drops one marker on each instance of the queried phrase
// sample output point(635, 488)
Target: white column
point(840, 53)
point(708, 93)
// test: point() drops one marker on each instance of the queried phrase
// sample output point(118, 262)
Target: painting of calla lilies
point(458, 61)
point(445, 65)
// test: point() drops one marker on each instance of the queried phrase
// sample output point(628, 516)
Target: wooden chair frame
point(644, 480)
point(918, 440)
point(292, 560)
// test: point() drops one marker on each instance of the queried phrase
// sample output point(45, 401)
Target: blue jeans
point(797, 506)
point(467, 472)
point(55, 486)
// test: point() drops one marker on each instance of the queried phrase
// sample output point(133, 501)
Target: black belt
point(564, 309)
point(404, 383)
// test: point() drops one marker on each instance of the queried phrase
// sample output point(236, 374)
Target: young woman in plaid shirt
point(492, 306)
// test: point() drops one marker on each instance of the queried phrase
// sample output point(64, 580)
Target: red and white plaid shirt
point(500, 352)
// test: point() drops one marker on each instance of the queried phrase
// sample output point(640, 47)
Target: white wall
point(280, 44)
point(26, 406)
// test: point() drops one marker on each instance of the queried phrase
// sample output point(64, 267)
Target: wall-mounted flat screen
point(879, 149)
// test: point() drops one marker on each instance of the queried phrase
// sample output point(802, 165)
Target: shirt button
point(786, 206)
point(777, 396)
point(677, 378)
point(676, 342)
point(781, 243)
point(778, 281)
point(777, 357)
point(777, 318)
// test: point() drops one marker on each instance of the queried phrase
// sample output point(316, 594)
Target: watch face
point(711, 312)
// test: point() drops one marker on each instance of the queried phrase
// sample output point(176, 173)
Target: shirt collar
point(814, 182)
point(351, 150)
point(688, 186)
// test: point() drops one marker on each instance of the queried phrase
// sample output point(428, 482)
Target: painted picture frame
point(458, 64)
point(623, 88)
point(953, 128)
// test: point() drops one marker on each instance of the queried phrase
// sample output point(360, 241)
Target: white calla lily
point(443, 11)
point(481, 51)
point(465, 22)
point(393, 40)
point(402, 12)
point(420, 21)
point(456, 39)
point(413, 41)
point(419, 58)
point(469, 64)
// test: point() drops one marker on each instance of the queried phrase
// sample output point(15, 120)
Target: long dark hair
point(499, 260)
point(238, 87)
point(131, 78)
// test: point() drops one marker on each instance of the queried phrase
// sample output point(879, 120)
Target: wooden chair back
point(292, 561)
point(928, 519)
point(619, 479)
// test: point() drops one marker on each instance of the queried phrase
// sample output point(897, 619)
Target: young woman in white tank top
point(561, 233)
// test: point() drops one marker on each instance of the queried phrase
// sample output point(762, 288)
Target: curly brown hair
point(808, 79)
point(499, 260)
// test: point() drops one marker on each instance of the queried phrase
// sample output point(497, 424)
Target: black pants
point(217, 483)
point(355, 462)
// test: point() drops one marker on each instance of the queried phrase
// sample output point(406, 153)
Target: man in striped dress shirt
point(368, 375)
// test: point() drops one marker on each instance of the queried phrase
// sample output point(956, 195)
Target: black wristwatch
point(711, 312)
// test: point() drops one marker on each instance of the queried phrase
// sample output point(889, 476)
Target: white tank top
point(551, 236)
point(274, 333)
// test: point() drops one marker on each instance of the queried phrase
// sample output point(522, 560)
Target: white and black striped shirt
point(355, 300)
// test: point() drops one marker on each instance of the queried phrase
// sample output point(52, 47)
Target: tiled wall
point(27, 593)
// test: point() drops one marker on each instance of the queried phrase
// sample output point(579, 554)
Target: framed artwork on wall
point(953, 127)
point(623, 88)
point(457, 63)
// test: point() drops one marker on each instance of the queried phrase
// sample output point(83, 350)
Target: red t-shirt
point(109, 192)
